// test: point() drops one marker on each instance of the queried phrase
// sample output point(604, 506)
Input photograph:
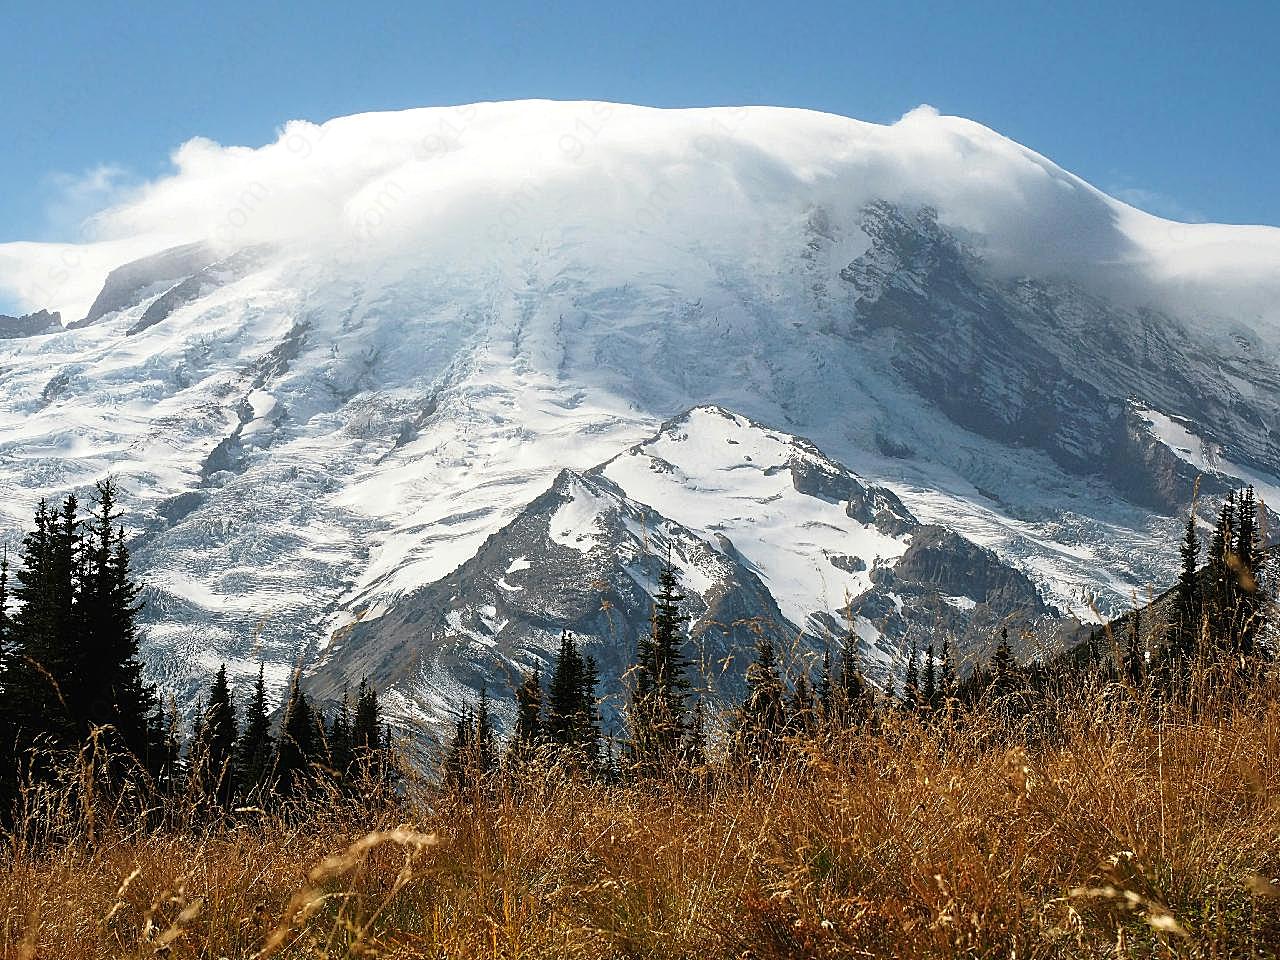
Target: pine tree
point(911, 685)
point(854, 695)
point(339, 738)
point(8, 768)
point(6, 638)
point(1251, 604)
point(472, 756)
point(256, 751)
point(461, 753)
point(111, 684)
point(5, 630)
point(1248, 545)
point(1135, 665)
point(572, 722)
point(658, 710)
point(366, 732)
point(297, 748)
point(826, 689)
point(695, 748)
point(486, 741)
point(762, 718)
point(73, 662)
point(1188, 602)
point(163, 747)
point(38, 684)
point(929, 688)
point(1222, 600)
point(947, 681)
point(527, 737)
point(1005, 672)
point(213, 749)
point(802, 711)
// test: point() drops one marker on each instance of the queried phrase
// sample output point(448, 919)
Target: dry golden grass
point(1129, 836)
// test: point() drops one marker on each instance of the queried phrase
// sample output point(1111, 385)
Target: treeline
point(71, 675)
point(1211, 636)
point(350, 751)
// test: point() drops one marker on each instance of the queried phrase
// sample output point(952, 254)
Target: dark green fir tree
point(255, 754)
point(658, 704)
point(213, 749)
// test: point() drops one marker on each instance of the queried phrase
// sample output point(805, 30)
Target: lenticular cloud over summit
point(489, 184)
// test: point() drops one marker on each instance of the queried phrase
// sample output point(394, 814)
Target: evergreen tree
point(1251, 604)
point(298, 747)
point(929, 688)
point(947, 681)
point(527, 737)
point(256, 750)
point(1093, 650)
point(472, 756)
point(1135, 664)
point(486, 741)
point(1005, 673)
point(572, 721)
point(461, 753)
point(762, 718)
point(163, 747)
point(339, 737)
point(8, 768)
point(911, 685)
point(111, 686)
point(1188, 603)
point(6, 634)
point(213, 749)
point(371, 735)
point(695, 750)
point(802, 711)
point(41, 664)
point(5, 630)
point(658, 721)
point(1223, 588)
point(1248, 542)
point(366, 732)
point(72, 663)
point(854, 693)
point(826, 689)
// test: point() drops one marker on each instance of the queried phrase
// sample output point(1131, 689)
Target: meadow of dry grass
point(1132, 835)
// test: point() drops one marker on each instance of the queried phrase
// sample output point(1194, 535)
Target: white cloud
point(494, 183)
point(1159, 204)
point(75, 198)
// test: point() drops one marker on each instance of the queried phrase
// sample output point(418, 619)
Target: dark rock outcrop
point(130, 284)
point(31, 325)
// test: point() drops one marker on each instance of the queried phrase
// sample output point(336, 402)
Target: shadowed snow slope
point(329, 370)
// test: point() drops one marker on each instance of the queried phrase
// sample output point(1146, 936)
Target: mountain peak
point(641, 184)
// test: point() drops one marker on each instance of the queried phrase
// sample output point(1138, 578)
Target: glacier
point(328, 371)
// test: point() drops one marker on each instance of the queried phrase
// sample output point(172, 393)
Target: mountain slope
point(766, 534)
point(374, 344)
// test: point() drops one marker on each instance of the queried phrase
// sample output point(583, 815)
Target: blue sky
point(1172, 106)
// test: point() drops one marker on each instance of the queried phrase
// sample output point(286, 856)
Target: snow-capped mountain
point(765, 533)
point(395, 394)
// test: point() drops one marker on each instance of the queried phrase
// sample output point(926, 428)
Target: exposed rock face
point(944, 585)
point(584, 556)
point(192, 288)
point(581, 557)
point(31, 325)
point(1040, 364)
point(134, 282)
point(949, 563)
